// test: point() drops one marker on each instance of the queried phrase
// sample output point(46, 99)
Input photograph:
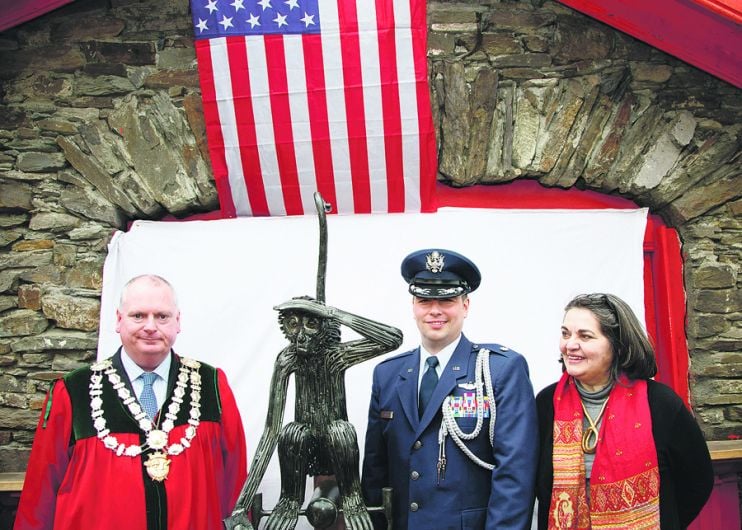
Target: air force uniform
point(436, 485)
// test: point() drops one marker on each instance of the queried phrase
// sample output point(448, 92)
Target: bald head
point(148, 320)
point(153, 280)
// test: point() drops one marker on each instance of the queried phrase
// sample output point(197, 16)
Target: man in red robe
point(144, 440)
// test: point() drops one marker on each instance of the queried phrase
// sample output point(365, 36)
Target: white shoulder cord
point(449, 427)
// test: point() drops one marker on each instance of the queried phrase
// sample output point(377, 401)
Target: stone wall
point(566, 100)
point(101, 123)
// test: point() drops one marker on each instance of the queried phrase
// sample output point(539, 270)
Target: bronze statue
point(320, 440)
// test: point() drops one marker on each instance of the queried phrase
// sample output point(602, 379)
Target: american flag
point(316, 95)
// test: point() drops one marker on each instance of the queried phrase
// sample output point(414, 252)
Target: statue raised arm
point(320, 440)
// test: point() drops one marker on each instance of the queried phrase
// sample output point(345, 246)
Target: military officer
point(452, 424)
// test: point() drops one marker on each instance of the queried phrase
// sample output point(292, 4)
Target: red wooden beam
point(19, 11)
point(731, 9)
point(704, 33)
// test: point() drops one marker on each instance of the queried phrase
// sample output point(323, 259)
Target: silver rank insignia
point(434, 262)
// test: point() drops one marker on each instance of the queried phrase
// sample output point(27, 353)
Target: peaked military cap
point(439, 273)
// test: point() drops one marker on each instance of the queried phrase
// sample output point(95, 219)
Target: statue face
point(301, 330)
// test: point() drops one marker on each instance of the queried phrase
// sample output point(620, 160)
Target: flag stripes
point(340, 106)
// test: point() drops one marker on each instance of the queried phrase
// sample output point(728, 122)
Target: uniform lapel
point(456, 369)
point(121, 372)
point(173, 375)
point(407, 389)
point(119, 367)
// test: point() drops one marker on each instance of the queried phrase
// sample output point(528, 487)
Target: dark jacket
point(686, 474)
point(401, 450)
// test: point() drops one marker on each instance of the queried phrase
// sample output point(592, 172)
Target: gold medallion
point(158, 466)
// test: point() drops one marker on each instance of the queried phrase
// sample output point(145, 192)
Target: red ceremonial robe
point(73, 482)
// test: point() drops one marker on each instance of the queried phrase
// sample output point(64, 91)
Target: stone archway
point(551, 95)
point(100, 123)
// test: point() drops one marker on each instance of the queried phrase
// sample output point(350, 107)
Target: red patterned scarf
point(625, 482)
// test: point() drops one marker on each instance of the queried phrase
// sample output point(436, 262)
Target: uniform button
point(418, 445)
point(413, 507)
point(414, 475)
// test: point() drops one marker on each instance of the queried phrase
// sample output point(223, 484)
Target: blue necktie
point(427, 384)
point(147, 399)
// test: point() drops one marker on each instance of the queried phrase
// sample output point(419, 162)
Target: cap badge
point(434, 262)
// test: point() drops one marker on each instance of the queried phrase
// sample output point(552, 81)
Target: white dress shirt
point(443, 357)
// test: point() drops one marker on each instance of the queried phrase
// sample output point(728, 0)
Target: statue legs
point(293, 454)
point(343, 444)
point(298, 455)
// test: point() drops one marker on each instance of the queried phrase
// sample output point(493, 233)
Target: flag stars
point(308, 20)
point(202, 25)
point(226, 22)
point(211, 6)
point(280, 20)
point(254, 20)
point(213, 17)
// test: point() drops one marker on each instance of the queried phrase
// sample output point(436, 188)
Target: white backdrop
point(230, 273)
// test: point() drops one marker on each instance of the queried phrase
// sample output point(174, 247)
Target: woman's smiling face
point(586, 351)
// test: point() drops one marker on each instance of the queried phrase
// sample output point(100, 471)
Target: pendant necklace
point(590, 435)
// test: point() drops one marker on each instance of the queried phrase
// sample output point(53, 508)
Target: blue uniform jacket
point(402, 451)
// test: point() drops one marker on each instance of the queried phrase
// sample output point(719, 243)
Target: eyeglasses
point(592, 297)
